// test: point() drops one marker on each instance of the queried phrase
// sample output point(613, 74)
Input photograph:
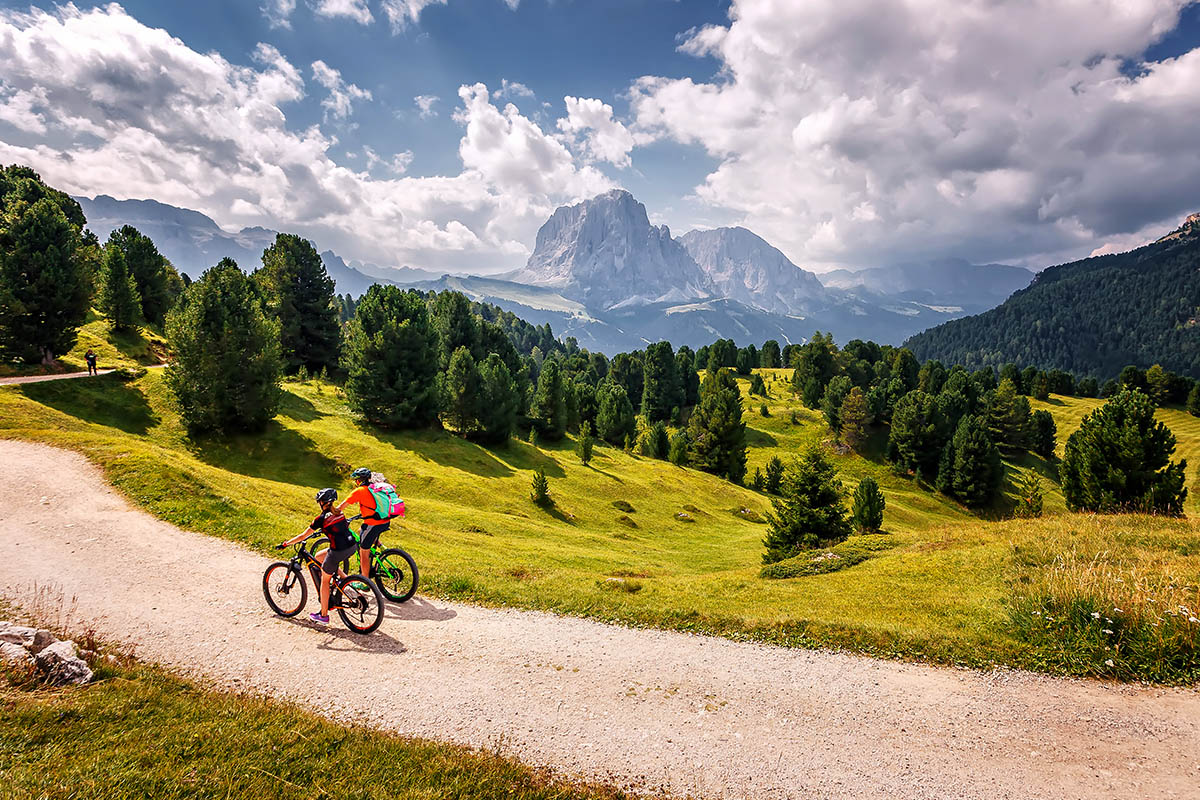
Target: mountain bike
point(393, 570)
point(355, 598)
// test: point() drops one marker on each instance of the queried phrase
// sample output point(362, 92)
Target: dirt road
point(62, 376)
point(688, 713)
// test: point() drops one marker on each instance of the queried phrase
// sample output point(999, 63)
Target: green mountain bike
point(393, 571)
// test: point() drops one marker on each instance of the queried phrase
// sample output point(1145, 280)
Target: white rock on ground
point(14, 654)
point(62, 665)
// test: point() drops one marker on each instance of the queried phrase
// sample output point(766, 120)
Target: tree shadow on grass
point(277, 454)
point(757, 438)
point(443, 449)
point(524, 456)
point(105, 400)
point(298, 408)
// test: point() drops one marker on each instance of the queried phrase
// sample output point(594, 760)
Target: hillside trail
point(62, 376)
point(643, 708)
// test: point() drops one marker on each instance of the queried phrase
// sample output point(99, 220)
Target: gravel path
point(39, 378)
point(645, 708)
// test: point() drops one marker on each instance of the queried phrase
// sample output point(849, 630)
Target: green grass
point(944, 592)
point(88, 742)
point(141, 347)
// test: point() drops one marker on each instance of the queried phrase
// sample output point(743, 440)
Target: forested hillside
point(1090, 317)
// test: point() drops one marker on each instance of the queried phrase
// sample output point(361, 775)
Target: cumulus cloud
point(278, 12)
point(402, 13)
point(341, 94)
point(397, 164)
point(510, 89)
point(590, 126)
point(355, 10)
point(424, 104)
point(867, 132)
point(133, 112)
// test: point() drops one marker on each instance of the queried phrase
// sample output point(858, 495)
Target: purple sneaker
point(323, 619)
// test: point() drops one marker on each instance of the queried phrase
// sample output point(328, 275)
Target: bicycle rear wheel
point(362, 604)
point(285, 589)
point(395, 574)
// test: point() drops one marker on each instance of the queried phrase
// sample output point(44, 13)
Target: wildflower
point(1117, 610)
point(1095, 615)
point(1193, 620)
point(1107, 630)
point(1109, 663)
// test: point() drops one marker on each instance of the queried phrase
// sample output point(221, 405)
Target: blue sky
point(846, 132)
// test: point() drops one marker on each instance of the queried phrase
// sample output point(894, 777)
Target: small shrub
point(622, 505)
point(302, 374)
point(764, 411)
point(840, 556)
point(583, 446)
point(540, 491)
point(795, 418)
point(774, 476)
point(682, 516)
point(757, 481)
point(626, 521)
point(749, 514)
point(533, 436)
point(677, 454)
point(1029, 496)
point(621, 585)
point(127, 374)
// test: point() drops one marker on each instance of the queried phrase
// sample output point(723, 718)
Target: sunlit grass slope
point(686, 557)
point(125, 349)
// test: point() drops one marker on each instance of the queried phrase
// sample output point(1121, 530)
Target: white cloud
point(869, 132)
point(356, 10)
point(397, 164)
point(590, 126)
point(510, 89)
point(133, 112)
point(424, 104)
point(278, 12)
point(341, 94)
point(402, 13)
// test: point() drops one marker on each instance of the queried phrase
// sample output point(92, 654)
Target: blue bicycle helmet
point(362, 475)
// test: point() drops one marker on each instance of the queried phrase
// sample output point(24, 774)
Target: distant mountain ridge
point(948, 281)
point(1091, 317)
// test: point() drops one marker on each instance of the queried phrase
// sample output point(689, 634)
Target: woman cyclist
point(333, 524)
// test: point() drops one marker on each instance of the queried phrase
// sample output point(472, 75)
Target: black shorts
point(334, 557)
point(370, 534)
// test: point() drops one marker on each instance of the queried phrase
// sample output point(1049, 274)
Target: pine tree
point(499, 400)
point(918, 434)
point(716, 428)
point(1029, 496)
point(679, 451)
point(866, 511)
point(661, 390)
point(970, 468)
point(809, 513)
point(757, 386)
point(118, 298)
point(614, 417)
point(300, 294)
point(459, 392)
point(769, 357)
point(1193, 401)
point(540, 489)
point(757, 481)
point(455, 325)
point(226, 365)
point(831, 404)
point(586, 403)
point(158, 284)
point(1120, 460)
point(774, 477)
point(1041, 387)
point(548, 409)
point(689, 376)
point(815, 366)
point(391, 359)
point(45, 280)
point(1008, 417)
point(583, 445)
point(1158, 384)
point(855, 416)
point(1045, 434)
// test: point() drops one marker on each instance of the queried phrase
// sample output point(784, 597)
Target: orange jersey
point(366, 502)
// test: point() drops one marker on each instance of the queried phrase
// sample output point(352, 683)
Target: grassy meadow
point(641, 542)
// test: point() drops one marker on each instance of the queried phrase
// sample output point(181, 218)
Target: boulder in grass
point(17, 634)
point(14, 654)
point(62, 665)
point(41, 640)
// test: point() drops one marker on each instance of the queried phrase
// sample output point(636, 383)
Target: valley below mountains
point(601, 272)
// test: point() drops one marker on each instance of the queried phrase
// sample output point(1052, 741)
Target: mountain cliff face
point(744, 267)
point(1091, 317)
point(605, 253)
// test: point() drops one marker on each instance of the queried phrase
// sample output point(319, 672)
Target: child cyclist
point(333, 524)
point(373, 526)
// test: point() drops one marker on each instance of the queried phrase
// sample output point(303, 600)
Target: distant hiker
point(90, 358)
point(333, 524)
point(377, 504)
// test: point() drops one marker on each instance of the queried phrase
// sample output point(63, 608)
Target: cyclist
point(333, 524)
point(372, 526)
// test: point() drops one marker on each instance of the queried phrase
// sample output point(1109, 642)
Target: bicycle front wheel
point(396, 574)
point(362, 604)
point(285, 589)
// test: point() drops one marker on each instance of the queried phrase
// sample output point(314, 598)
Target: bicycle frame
point(303, 558)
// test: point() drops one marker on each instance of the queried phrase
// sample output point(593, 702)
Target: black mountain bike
point(356, 598)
